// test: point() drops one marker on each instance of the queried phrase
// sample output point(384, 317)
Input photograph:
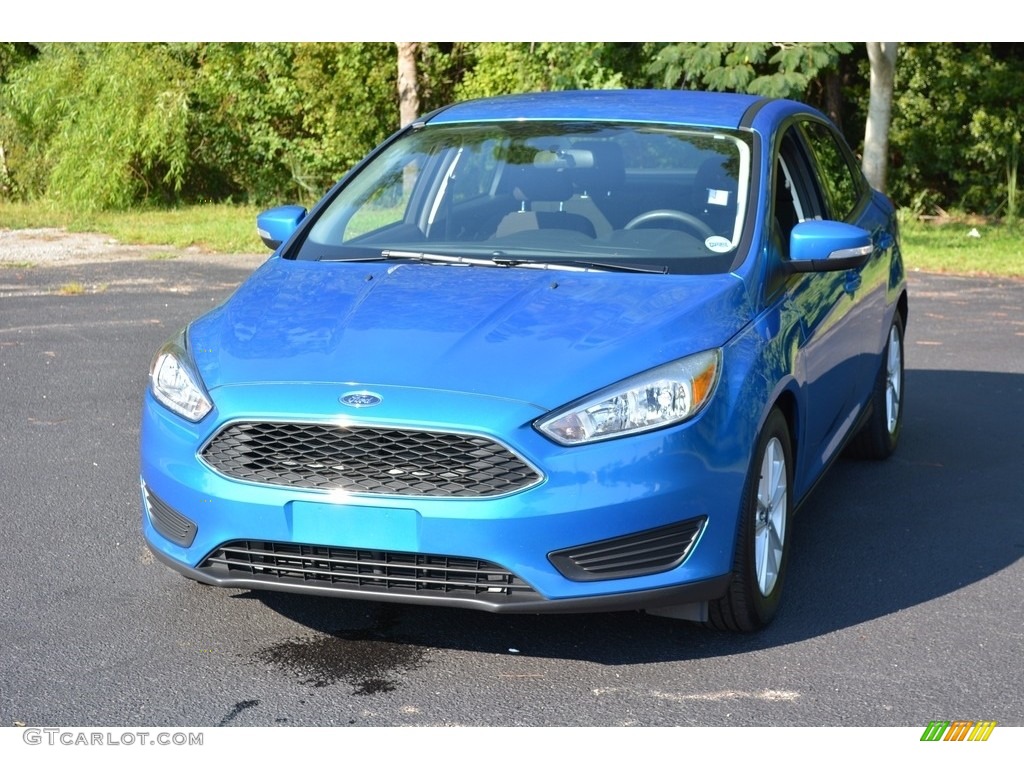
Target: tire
point(879, 437)
point(762, 541)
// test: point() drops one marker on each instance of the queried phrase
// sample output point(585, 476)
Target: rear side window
point(842, 179)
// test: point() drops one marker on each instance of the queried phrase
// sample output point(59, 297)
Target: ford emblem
point(361, 399)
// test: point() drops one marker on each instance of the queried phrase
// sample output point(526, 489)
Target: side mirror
point(278, 224)
point(828, 246)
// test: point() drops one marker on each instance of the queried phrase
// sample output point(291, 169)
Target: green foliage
point(929, 114)
point(500, 68)
point(284, 121)
point(956, 130)
point(122, 125)
point(116, 125)
point(102, 126)
point(348, 94)
point(782, 70)
point(997, 124)
point(245, 107)
point(14, 55)
point(441, 66)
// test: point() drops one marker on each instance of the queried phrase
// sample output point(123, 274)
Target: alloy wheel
point(770, 523)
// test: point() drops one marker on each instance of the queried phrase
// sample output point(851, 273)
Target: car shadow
point(873, 539)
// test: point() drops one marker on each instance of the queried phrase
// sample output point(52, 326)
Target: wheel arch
point(903, 307)
point(786, 403)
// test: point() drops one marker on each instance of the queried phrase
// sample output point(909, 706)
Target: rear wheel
point(762, 545)
point(880, 435)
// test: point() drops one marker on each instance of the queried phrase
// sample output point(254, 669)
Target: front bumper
point(653, 599)
point(518, 552)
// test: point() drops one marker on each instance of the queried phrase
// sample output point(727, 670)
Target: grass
point(963, 247)
point(215, 228)
point(71, 289)
point(78, 289)
point(943, 245)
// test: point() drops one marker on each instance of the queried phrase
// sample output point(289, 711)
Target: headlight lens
point(664, 395)
point(176, 383)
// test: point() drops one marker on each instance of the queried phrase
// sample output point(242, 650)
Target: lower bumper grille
point(365, 570)
point(639, 554)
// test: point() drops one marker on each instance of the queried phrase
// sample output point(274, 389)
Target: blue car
point(544, 353)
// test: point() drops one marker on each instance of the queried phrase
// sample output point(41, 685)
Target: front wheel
point(762, 543)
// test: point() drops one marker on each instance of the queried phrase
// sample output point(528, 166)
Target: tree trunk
point(408, 89)
point(833, 86)
point(882, 57)
point(5, 173)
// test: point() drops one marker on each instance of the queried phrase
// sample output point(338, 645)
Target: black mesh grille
point(369, 460)
point(639, 554)
point(364, 570)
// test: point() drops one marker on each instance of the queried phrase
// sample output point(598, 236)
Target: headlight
point(176, 383)
point(664, 395)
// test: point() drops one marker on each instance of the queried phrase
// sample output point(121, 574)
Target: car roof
point(698, 108)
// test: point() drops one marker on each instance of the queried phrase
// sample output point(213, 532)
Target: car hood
point(540, 337)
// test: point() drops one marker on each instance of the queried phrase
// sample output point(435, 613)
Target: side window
point(842, 180)
point(796, 194)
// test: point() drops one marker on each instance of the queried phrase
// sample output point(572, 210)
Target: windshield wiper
point(498, 259)
point(435, 258)
point(427, 258)
point(577, 265)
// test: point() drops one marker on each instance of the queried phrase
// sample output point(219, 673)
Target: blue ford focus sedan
point(551, 352)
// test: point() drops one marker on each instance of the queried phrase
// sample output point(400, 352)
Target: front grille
point(371, 460)
point(365, 570)
point(640, 554)
point(169, 523)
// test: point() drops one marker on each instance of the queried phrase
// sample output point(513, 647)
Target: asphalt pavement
point(903, 601)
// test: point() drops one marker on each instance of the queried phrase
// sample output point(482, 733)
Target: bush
point(101, 125)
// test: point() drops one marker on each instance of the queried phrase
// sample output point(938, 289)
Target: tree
point(882, 58)
point(101, 125)
point(12, 56)
point(283, 121)
point(408, 88)
point(956, 127)
point(122, 124)
point(998, 124)
point(783, 70)
point(500, 68)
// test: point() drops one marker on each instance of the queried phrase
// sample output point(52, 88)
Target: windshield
point(627, 196)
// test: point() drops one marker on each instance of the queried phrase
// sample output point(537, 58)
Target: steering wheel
point(688, 220)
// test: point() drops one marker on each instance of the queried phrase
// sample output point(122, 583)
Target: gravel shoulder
point(54, 261)
point(55, 247)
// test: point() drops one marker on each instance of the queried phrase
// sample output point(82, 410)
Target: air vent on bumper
point(639, 554)
point(169, 523)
